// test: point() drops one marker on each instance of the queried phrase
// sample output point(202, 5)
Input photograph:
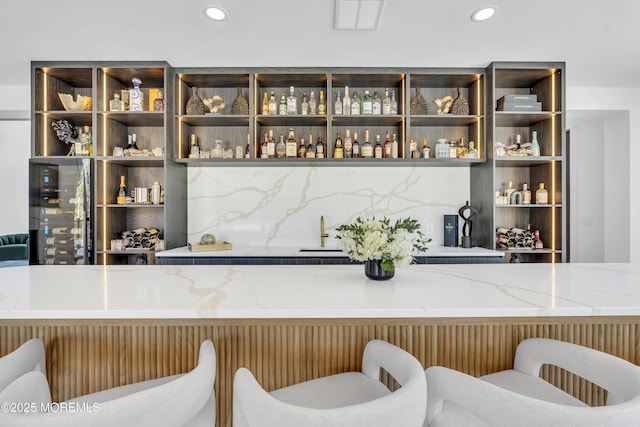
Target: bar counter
point(114, 325)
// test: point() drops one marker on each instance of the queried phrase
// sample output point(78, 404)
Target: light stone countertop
point(311, 291)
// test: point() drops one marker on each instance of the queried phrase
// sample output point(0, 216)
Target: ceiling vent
point(358, 14)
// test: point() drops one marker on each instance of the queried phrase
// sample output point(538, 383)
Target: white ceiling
point(600, 46)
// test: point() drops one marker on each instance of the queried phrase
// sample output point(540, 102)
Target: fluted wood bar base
point(85, 356)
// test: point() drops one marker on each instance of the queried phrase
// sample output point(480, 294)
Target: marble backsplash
point(281, 206)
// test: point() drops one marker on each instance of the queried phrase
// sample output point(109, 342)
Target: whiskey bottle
point(158, 103)
point(413, 148)
point(281, 148)
point(367, 148)
point(346, 102)
point(273, 105)
point(377, 104)
point(282, 107)
point(541, 195)
point(122, 192)
point(302, 150)
point(292, 145)
point(526, 195)
point(305, 105)
point(377, 150)
point(271, 145)
point(292, 102)
point(348, 145)
point(311, 149)
point(355, 104)
point(535, 146)
point(386, 103)
point(386, 148)
point(461, 151)
point(338, 148)
point(367, 104)
point(394, 147)
point(320, 146)
point(264, 147)
point(312, 103)
point(338, 105)
point(356, 146)
point(265, 103)
point(322, 107)
point(116, 103)
point(394, 103)
point(426, 151)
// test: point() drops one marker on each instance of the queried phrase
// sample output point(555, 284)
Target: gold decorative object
point(240, 105)
point(460, 105)
point(418, 105)
point(82, 103)
point(195, 106)
point(207, 239)
point(447, 101)
point(214, 104)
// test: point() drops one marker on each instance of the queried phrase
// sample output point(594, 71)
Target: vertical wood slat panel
point(83, 359)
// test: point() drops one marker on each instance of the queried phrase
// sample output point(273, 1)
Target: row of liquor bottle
point(354, 105)
point(509, 195)
point(133, 99)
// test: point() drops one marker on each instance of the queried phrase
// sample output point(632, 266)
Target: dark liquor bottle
point(338, 149)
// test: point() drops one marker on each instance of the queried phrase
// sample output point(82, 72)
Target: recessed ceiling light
point(484, 13)
point(216, 13)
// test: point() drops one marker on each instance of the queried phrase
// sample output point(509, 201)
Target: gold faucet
point(323, 235)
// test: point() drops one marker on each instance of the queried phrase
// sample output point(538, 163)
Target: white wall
point(14, 176)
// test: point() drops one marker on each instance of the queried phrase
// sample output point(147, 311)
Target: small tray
point(218, 246)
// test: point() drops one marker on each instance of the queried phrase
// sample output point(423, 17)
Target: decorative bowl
point(82, 103)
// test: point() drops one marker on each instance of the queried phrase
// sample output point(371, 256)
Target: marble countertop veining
point(308, 291)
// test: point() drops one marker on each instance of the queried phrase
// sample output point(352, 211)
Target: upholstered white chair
point(519, 397)
point(179, 400)
point(28, 357)
point(354, 399)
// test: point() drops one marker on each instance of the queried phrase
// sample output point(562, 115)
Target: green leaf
point(387, 265)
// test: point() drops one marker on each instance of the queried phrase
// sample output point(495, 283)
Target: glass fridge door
point(60, 211)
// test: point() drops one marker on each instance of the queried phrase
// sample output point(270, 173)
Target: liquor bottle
point(132, 141)
point(264, 147)
point(273, 105)
point(386, 103)
point(535, 147)
point(541, 195)
point(367, 148)
point(537, 243)
point(281, 148)
point(426, 151)
point(320, 146)
point(377, 150)
point(346, 102)
point(302, 150)
point(155, 193)
point(194, 150)
point(265, 103)
point(122, 192)
point(292, 102)
point(394, 147)
point(322, 107)
point(461, 150)
point(60, 230)
point(116, 103)
point(247, 150)
point(386, 148)
point(338, 148)
point(136, 96)
point(394, 103)
point(312, 103)
point(271, 145)
point(472, 153)
point(311, 149)
point(413, 148)
point(366, 107)
point(356, 146)
point(305, 105)
point(526, 195)
point(518, 140)
point(338, 105)
point(158, 103)
point(377, 104)
point(355, 104)
point(453, 149)
point(348, 145)
point(291, 145)
point(282, 107)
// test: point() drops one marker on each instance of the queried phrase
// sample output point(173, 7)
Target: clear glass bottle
point(291, 145)
point(413, 148)
point(265, 103)
point(426, 151)
point(322, 106)
point(355, 104)
point(367, 148)
point(158, 103)
point(356, 147)
point(311, 149)
point(394, 103)
point(541, 195)
point(346, 102)
point(394, 147)
point(386, 103)
point(312, 103)
point(535, 146)
point(442, 149)
point(292, 102)
point(386, 148)
point(338, 148)
point(337, 109)
point(281, 148)
point(348, 144)
point(537, 242)
point(366, 107)
point(305, 105)
point(273, 105)
point(526, 195)
point(282, 107)
point(377, 104)
point(320, 154)
point(116, 103)
point(271, 145)
point(136, 96)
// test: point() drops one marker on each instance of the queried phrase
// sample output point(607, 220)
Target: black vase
point(373, 270)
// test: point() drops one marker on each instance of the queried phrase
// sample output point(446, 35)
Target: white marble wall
point(281, 206)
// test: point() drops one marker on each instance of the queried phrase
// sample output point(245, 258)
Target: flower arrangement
point(373, 239)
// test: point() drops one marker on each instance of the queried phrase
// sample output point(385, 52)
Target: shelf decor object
point(381, 245)
point(240, 105)
point(195, 106)
point(460, 106)
point(82, 103)
point(418, 106)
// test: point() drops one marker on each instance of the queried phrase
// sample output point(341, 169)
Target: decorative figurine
point(418, 106)
point(214, 105)
point(240, 105)
point(447, 101)
point(195, 106)
point(460, 106)
point(468, 223)
point(66, 133)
